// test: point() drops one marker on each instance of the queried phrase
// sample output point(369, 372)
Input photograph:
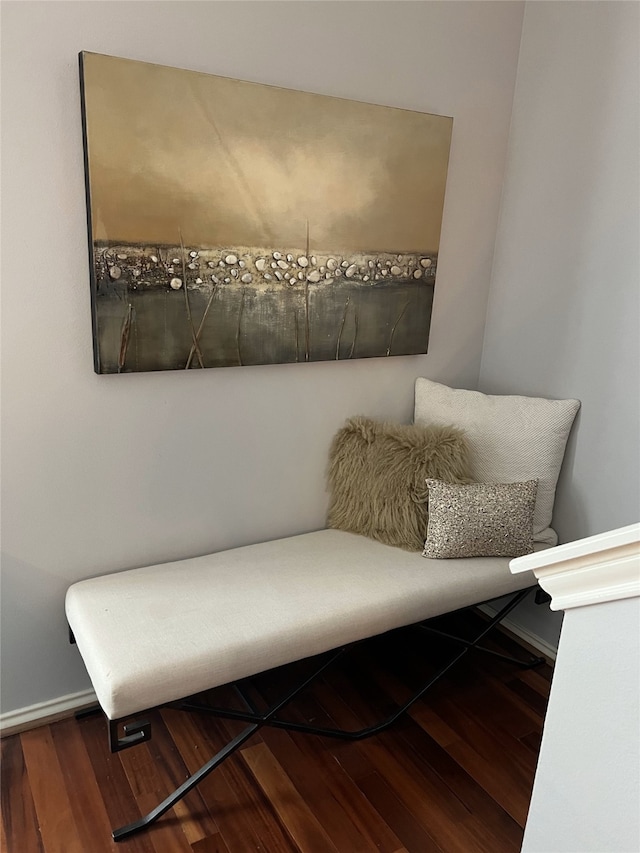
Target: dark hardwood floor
point(454, 775)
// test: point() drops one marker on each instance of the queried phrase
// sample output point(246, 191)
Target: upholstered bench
point(163, 634)
point(153, 635)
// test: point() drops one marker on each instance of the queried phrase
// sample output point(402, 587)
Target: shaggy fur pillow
point(377, 473)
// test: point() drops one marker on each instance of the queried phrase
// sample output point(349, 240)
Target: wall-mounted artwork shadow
point(234, 223)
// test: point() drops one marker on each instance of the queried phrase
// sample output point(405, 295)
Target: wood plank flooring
point(454, 775)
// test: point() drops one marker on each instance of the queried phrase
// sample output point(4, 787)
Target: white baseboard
point(531, 639)
point(45, 712)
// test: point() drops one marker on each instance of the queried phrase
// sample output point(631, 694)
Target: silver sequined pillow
point(480, 519)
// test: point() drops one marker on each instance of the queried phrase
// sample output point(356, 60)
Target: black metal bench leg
point(131, 828)
point(524, 664)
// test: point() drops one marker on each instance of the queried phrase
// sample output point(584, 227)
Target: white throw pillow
point(510, 438)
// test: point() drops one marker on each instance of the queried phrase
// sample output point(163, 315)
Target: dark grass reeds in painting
point(166, 308)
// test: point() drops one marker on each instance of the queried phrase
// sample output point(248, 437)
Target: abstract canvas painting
point(236, 223)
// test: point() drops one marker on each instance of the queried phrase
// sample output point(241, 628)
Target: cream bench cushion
point(153, 635)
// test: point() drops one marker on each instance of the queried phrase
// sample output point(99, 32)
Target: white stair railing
point(586, 793)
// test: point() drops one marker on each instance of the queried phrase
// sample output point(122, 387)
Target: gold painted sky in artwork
point(233, 163)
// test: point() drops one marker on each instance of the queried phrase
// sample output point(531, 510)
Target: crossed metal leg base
point(138, 731)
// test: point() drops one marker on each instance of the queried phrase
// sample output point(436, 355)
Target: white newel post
point(586, 794)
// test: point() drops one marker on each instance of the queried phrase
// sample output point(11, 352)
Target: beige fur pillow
point(377, 473)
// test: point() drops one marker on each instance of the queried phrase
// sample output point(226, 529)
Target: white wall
point(564, 310)
point(107, 472)
point(586, 795)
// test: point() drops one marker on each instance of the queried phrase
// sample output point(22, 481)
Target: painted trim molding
point(45, 712)
point(605, 567)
